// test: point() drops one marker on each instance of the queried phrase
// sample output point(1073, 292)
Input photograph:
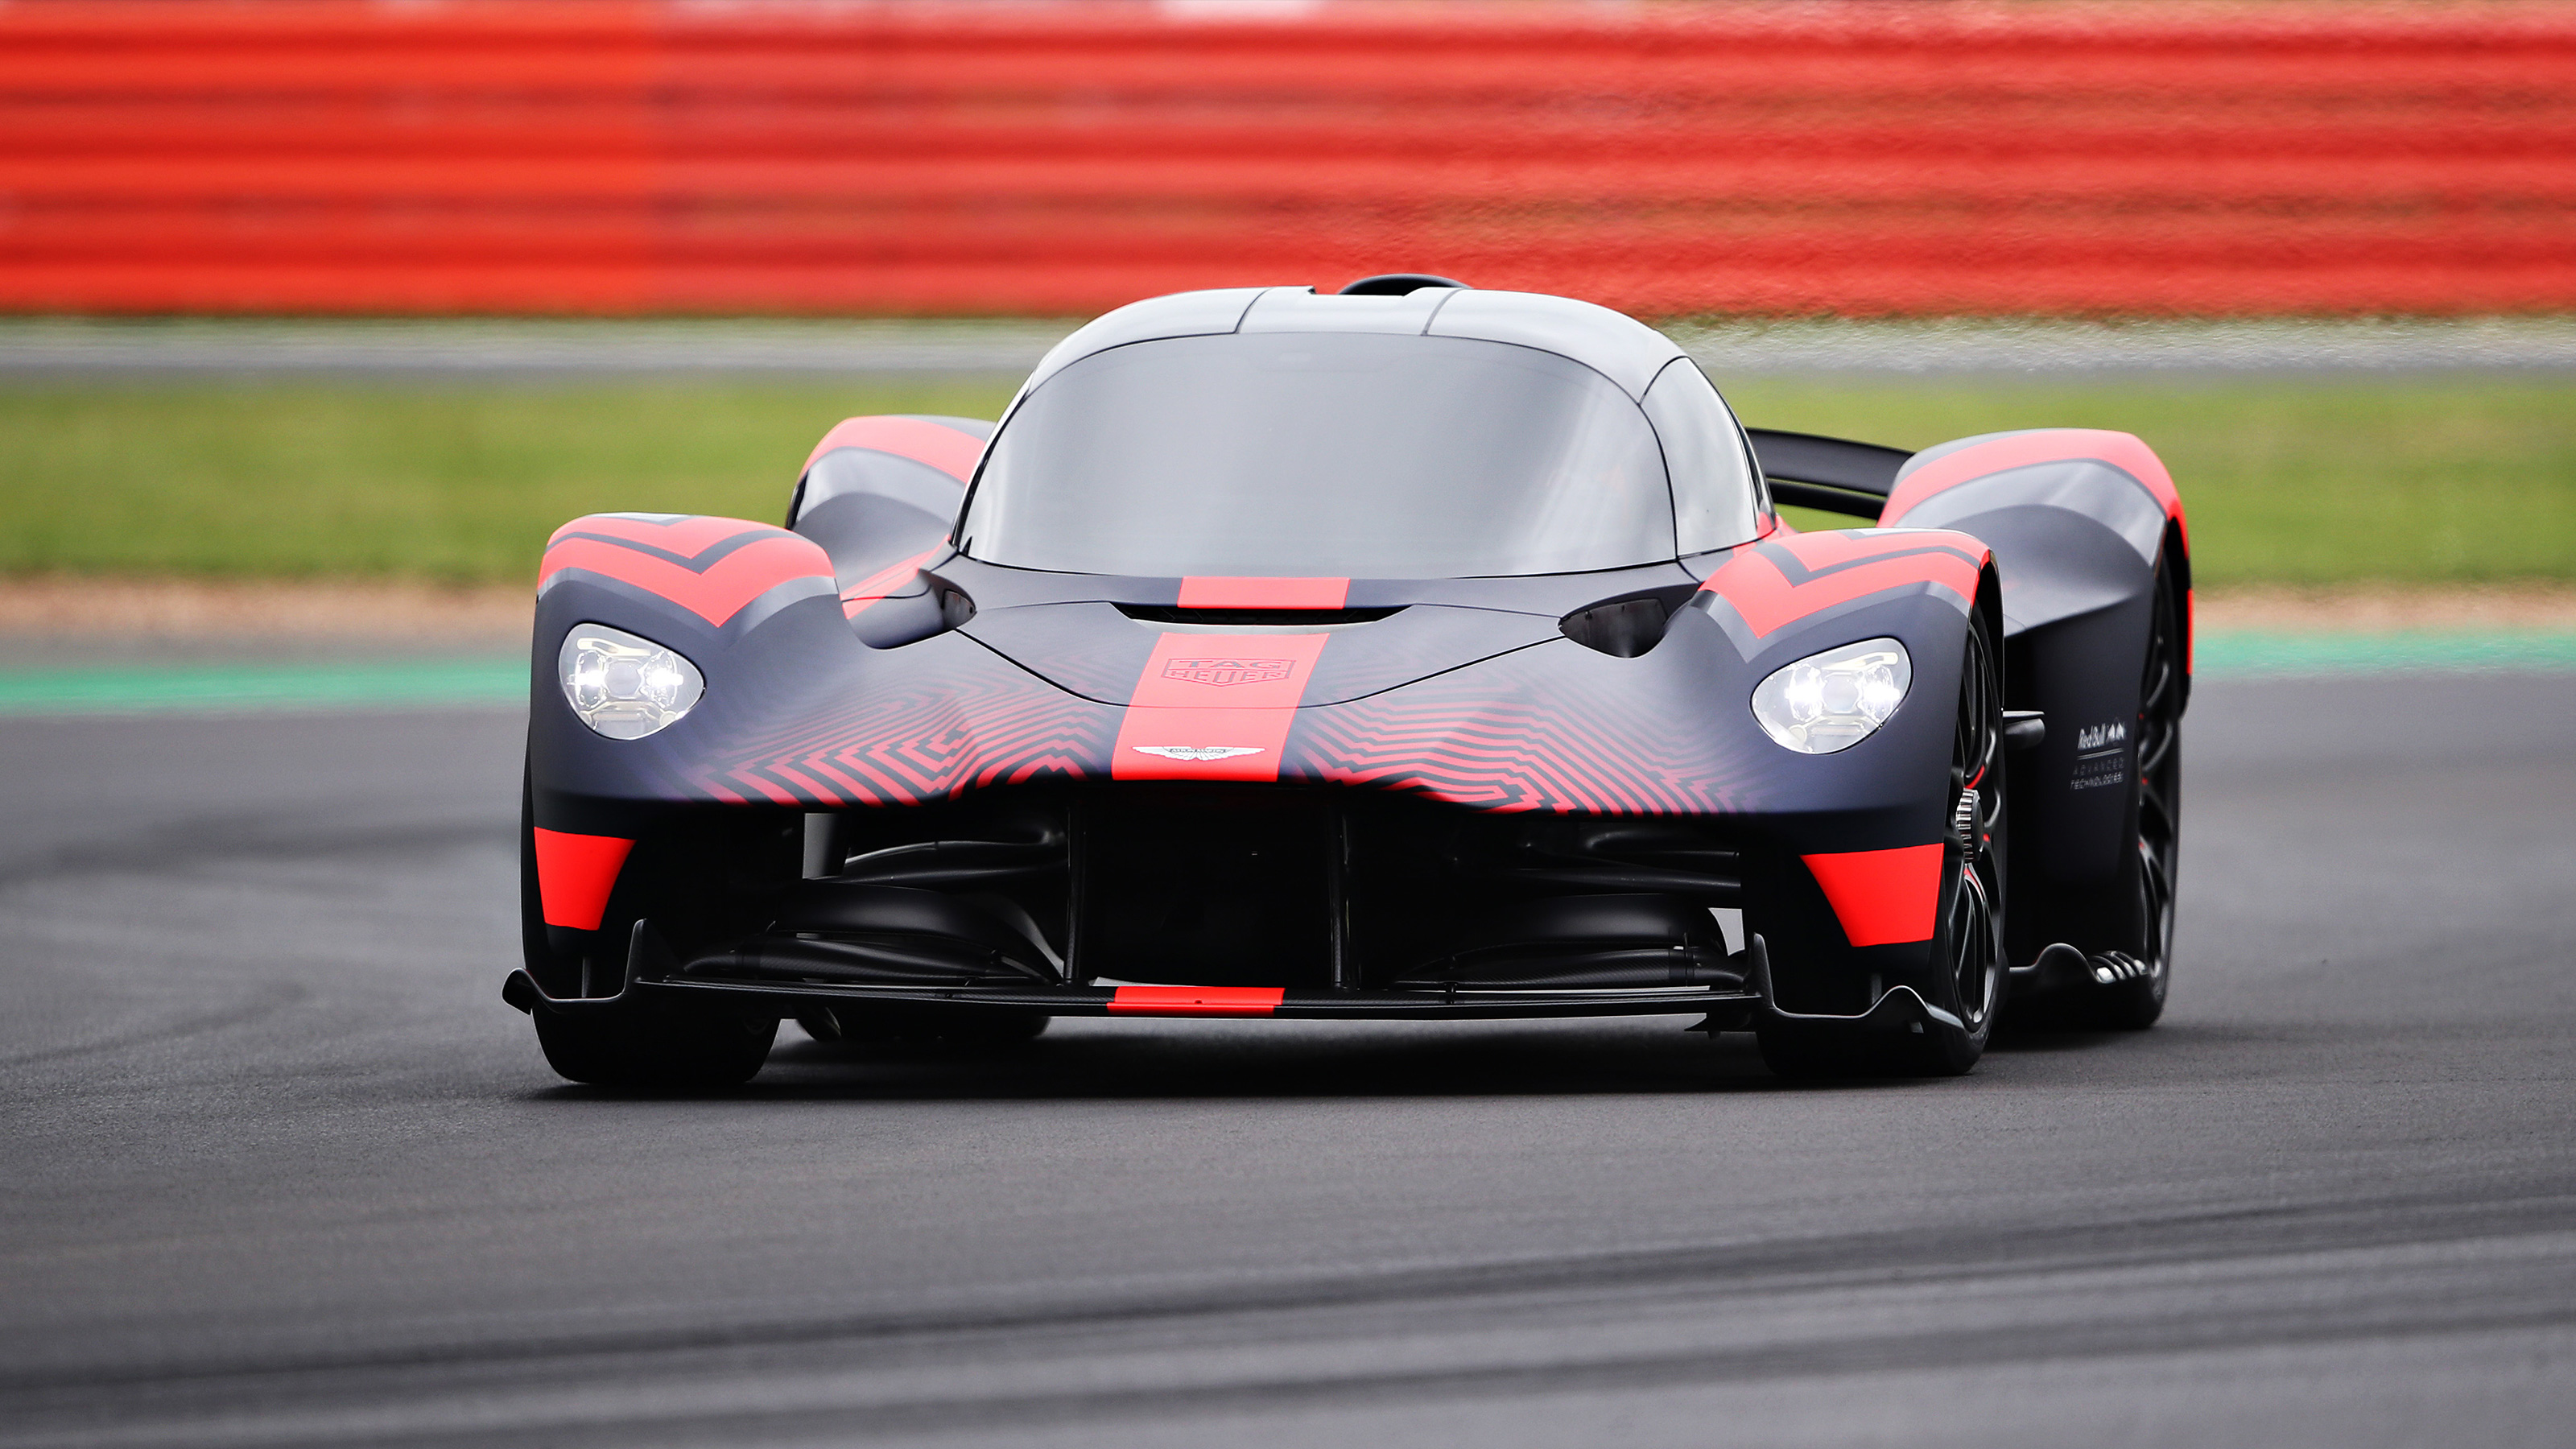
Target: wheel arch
point(2083, 524)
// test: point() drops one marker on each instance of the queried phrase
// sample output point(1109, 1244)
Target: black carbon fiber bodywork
point(2077, 543)
point(802, 717)
point(914, 771)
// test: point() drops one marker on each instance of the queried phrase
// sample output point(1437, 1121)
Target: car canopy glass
point(1323, 454)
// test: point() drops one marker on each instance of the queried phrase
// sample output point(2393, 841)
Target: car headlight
point(1832, 701)
point(625, 687)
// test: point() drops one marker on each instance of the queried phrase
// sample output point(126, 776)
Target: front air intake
point(1240, 618)
point(1620, 628)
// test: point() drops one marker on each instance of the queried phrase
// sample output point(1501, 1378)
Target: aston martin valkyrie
point(1411, 651)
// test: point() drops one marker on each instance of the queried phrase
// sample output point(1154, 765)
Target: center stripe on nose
point(1215, 706)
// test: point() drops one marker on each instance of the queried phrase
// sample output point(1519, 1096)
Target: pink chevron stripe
point(1766, 599)
point(942, 447)
point(1832, 547)
point(687, 535)
point(715, 594)
point(2123, 451)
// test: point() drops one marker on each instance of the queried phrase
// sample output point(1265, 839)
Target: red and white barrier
point(591, 156)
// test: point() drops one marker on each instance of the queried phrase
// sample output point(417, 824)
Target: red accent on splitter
point(575, 874)
point(1196, 1000)
point(1234, 692)
point(1882, 897)
point(944, 448)
point(1221, 593)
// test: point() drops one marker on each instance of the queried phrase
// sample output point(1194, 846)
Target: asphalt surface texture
point(281, 1169)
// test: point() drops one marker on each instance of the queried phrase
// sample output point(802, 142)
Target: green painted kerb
point(2407, 652)
point(481, 682)
point(489, 682)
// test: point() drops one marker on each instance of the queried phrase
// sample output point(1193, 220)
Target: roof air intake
point(1396, 284)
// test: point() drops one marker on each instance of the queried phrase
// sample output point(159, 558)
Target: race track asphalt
point(278, 1168)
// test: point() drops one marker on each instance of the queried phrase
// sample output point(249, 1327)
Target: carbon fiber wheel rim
point(2159, 776)
point(1977, 775)
point(1975, 963)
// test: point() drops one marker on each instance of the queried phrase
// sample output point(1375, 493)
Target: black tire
point(2156, 797)
point(550, 972)
point(636, 1047)
point(641, 1050)
point(1970, 938)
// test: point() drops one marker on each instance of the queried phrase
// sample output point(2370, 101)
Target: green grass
point(2286, 480)
point(448, 482)
point(2289, 480)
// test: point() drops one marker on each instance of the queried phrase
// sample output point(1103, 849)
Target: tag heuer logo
point(1196, 752)
point(1229, 671)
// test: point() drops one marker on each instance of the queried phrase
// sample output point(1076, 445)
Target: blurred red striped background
point(598, 156)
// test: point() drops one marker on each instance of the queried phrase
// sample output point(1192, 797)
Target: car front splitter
point(788, 999)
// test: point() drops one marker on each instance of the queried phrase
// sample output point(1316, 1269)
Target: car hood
point(1112, 654)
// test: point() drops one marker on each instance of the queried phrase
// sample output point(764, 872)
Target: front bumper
point(784, 1000)
point(653, 979)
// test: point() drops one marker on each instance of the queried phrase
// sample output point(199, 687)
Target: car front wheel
point(1969, 943)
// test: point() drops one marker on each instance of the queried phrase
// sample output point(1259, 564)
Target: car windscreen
point(1322, 454)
